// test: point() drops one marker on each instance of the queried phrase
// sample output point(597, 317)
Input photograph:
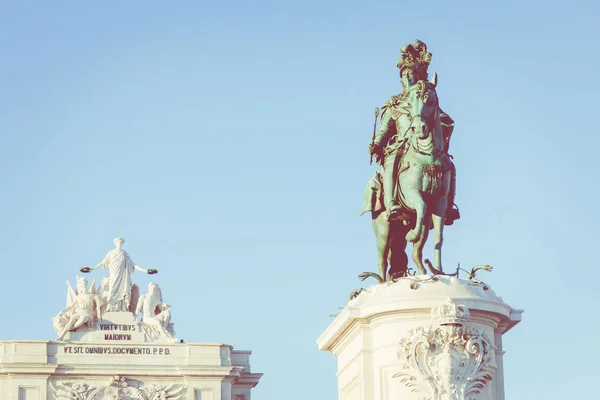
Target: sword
point(374, 130)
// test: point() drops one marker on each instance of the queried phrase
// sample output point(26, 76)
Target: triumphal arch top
point(116, 342)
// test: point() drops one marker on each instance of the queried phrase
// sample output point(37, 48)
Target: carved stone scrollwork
point(448, 360)
point(118, 388)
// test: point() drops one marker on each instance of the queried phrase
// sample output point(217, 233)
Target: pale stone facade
point(49, 370)
point(106, 352)
point(422, 337)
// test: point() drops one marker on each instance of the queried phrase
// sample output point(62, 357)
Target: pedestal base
point(437, 338)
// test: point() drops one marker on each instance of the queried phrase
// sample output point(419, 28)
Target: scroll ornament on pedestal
point(448, 360)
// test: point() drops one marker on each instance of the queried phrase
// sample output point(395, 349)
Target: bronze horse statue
point(423, 180)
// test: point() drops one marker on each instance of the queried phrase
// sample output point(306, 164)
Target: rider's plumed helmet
point(415, 57)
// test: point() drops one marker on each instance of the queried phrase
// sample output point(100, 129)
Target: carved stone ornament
point(448, 360)
point(84, 308)
point(118, 388)
point(156, 315)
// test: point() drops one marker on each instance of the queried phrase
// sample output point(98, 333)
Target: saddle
point(373, 202)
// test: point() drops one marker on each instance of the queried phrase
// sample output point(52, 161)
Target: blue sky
point(227, 143)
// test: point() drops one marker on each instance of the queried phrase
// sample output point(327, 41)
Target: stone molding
point(117, 388)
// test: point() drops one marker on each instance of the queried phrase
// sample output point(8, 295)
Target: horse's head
point(423, 105)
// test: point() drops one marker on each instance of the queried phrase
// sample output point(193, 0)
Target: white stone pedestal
point(422, 337)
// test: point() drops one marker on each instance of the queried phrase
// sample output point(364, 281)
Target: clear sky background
point(227, 143)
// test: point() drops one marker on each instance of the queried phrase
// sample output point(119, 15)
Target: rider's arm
point(387, 128)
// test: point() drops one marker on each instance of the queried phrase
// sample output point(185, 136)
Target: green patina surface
point(413, 190)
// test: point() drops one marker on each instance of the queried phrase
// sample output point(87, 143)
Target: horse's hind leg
point(398, 258)
point(382, 238)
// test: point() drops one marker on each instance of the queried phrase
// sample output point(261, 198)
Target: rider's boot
point(389, 186)
point(452, 212)
point(388, 191)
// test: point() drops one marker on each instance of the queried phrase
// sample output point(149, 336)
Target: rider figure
point(388, 145)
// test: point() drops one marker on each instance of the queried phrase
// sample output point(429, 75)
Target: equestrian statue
point(413, 190)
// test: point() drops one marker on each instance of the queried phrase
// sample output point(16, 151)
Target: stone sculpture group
point(117, 293)
point(84, 308)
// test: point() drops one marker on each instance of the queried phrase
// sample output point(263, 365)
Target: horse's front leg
point(438, 217)
point(383, 239)
point(397, 258)
point(413, 198)
point(411, 186)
